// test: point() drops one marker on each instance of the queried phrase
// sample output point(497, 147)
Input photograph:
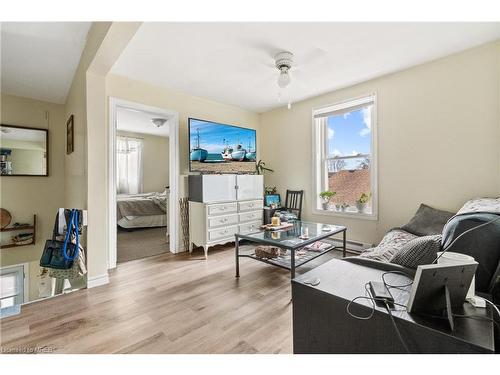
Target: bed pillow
point(421, 250)
point(427, 221)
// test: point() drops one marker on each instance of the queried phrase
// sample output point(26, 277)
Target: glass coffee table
point(294, 254)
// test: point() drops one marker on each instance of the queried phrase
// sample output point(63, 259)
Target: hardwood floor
point(165, 304)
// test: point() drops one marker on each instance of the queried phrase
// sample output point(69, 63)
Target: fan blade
point(311, 56)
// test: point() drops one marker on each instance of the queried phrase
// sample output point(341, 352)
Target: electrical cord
point(358, 298)
point(396, 327)
point(494, 306)
point(373, 300)
point(400, 287)
point(475, 317)
point(461, 235)
point(370, 298)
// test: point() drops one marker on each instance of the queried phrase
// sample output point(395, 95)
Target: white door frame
point(174, 177)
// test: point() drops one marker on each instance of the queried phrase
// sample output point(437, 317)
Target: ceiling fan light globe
point(283, 79)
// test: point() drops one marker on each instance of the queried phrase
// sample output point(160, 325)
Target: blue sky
point(212, 135)
point(350, 133)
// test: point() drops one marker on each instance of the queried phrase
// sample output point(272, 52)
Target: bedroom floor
point(141, 243)
point(167, 304)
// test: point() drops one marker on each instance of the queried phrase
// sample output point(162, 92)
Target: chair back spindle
point(293, 202)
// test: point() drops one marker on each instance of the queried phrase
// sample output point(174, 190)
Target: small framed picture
point(70, 135)
point(272, 200)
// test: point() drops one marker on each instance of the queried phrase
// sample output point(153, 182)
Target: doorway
point(144, 179)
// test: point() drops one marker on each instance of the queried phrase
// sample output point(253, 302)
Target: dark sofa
point(483, 244)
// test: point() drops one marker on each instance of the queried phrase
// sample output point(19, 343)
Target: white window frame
point(22, 273)
point(320, 145)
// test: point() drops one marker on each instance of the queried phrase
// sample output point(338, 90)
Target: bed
point(145, 210)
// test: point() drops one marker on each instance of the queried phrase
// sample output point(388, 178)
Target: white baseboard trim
point(92, 282)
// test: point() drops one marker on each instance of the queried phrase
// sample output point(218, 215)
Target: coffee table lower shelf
point(291, 260)
point(285, 261)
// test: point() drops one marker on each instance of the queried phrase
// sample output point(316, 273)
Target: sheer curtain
point(128, 165)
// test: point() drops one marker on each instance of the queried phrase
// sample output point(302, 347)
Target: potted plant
point(362, 201)
point(270, 190)
point(260, 168)
point(341, 206)
point(325, 197)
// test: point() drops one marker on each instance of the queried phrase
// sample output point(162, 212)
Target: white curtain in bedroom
point(128, 165)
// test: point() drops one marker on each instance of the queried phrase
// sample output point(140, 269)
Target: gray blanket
point(481, 205)
point(141, 205)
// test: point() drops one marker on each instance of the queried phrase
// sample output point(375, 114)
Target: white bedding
point(143, 221)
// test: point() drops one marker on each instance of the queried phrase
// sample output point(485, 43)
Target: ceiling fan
point(284, 62)
point(310, 59)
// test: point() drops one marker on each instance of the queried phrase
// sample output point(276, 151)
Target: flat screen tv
point(221, 148)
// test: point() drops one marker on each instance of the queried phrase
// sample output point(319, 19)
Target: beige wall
point(438, 139)
point(187, 106)
point(110, 42)
point(25, 196)
point(76, 105)
point(77, 177)
point(155, 160)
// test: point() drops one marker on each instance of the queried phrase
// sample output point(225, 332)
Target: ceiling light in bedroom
point(158, 122)
point(284, 61)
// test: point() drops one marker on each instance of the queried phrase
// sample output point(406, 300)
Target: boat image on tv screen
point(220, 148)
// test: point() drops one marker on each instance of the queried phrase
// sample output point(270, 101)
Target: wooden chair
point(293, 202)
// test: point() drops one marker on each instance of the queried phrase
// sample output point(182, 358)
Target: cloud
point(354, 153)
point(331, 133)
point(367, 121)
point(346, 115)
point(336, 152)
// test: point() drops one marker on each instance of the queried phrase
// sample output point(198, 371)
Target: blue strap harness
point(73, 221)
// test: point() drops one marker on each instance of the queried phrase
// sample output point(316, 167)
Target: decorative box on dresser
point(222, 205)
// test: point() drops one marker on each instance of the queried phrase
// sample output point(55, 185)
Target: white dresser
point(222, 205)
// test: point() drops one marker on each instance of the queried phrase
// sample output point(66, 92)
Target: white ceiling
point(39, 59)
point(233, 62)
point(135, 121)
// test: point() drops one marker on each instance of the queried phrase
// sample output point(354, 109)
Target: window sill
point(347, 215)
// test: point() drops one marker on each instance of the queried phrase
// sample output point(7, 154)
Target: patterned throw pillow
point(421, 250)
point(392, 242)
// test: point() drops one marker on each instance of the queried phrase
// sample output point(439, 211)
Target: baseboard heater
point(351, 245)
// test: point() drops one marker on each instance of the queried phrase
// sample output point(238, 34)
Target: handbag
point(77, 270)
point(61, 254)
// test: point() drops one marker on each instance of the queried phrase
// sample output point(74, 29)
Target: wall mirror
point(23, 151)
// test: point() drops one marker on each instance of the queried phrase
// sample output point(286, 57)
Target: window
point(128, 165)
point(345, 163)
point(11, 289)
